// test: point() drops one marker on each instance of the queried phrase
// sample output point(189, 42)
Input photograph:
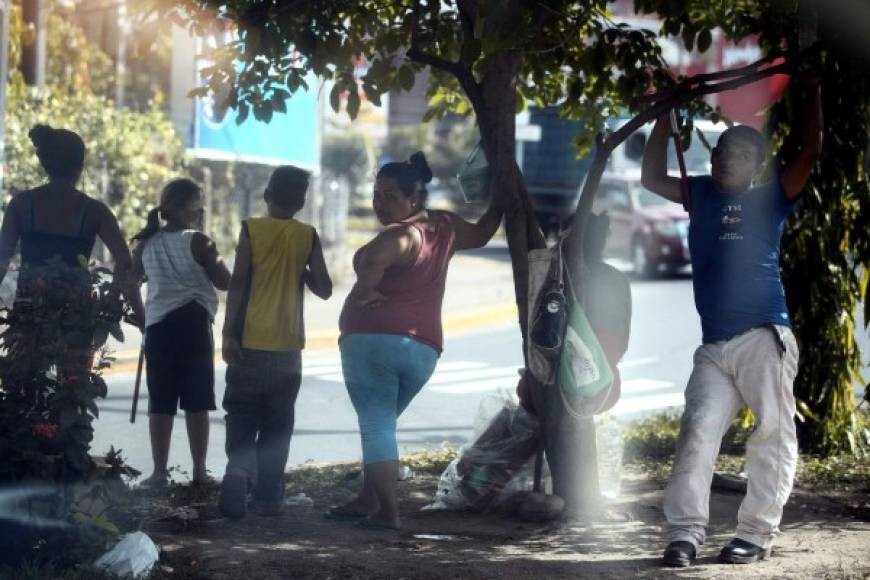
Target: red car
point(646, 229)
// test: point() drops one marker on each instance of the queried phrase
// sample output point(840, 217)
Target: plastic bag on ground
point(497, 465)
point(610, 445)
point(132, 557)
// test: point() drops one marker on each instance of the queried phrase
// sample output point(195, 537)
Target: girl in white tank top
point(183, 272)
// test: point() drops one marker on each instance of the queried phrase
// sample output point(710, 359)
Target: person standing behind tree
point(263, 338)
point(182, 268)
point(749, 354)
point(390, 325)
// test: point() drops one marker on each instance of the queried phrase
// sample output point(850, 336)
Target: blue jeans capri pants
point(383, 372)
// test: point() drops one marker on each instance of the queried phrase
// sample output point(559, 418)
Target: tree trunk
point(496, 114)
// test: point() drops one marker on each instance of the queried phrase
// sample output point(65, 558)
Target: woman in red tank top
point(390, 325)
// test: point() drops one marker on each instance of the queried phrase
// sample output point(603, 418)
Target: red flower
point(45, 430)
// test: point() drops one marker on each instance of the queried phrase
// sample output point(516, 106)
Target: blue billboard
point(289, 138)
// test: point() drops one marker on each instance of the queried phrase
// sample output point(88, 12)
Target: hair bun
point(418, 162)
point(39, 133)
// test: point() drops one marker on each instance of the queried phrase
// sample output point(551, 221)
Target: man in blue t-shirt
point(749, 354)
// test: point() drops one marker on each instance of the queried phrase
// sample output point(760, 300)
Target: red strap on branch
point(685, 191)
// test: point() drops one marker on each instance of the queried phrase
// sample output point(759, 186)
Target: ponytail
point(151, 226)
point(411, 175)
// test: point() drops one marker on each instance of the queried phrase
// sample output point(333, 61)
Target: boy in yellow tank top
point(263, 338)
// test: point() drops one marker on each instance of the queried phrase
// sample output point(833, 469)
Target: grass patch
point(433, 462)
point(656, 438)
point(304, 479)
point(837, 472)
point(650, 445)
point(653, 438)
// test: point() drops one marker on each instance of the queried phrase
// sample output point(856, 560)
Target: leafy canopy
point(571, 49)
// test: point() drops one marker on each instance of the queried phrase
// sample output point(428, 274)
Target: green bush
point(129, 155)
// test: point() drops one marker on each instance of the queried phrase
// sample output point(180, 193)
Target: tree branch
point(467, 9)
point(463, 74)
point(663, 102)
point(696, 81)
point(467, 16)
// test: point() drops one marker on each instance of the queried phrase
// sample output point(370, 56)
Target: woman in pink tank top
point(390, 325)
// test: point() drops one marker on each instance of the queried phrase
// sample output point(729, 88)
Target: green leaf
point(471, 52)
point(115, 330)
point(689, 37)
point(406, 78)
point(242, 113)
point(197, 92)
point(92, 407)
point(335, 97)
point(705, 39)
point(353, 104)
point(101, 335)
point(520, 103)
point(432, 113)
point(279, 103)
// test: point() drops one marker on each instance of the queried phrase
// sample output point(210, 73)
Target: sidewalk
point(479, 294)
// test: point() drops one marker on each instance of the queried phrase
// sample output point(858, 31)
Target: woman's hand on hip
point(369, 298)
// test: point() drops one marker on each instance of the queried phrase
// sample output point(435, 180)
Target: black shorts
point(179, 351)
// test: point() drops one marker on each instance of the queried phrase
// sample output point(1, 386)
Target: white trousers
point(756, 368)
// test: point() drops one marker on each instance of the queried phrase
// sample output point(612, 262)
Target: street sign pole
point(5, 6)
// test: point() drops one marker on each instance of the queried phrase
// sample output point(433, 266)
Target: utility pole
point(123, 24)
point(33, 56)
point(5, 6)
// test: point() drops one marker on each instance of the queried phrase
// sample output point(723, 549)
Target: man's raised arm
point(797, 170)
point(654, 171)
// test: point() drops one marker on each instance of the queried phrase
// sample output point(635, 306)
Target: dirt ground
point(824, 536)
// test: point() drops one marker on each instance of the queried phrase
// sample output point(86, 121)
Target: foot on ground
point(233, 498)
point(377, 522)
point(155, 481)
point(203, 480)
point(739, 551)
point(679, 554)
point(353, 510)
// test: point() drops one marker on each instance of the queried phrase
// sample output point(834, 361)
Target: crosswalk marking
point(439, 378)
point(473, 377)
point(628, 405)
point(475, 387)
point(631, 386)
point(449, 372)
point(637, 362)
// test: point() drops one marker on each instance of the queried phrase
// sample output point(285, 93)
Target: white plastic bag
point(8, 288)
point(299, 500)
point(610, 444)
point(497, 465)
point(448, 496)
point(132, 557)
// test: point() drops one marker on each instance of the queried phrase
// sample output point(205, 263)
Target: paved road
point(475, 367)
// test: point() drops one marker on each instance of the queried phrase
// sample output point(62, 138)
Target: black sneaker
point(742, 552)
point(233, 498)
point(679, 554)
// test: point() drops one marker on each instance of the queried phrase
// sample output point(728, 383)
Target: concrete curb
point(126, 360)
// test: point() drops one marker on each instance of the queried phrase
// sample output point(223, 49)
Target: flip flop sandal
point(339, 514)
point(154, 484)
point(370, 524)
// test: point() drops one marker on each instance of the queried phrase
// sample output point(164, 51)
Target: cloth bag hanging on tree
point(563, 350)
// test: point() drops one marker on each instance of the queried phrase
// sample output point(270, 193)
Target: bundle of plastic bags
point(497, 465)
